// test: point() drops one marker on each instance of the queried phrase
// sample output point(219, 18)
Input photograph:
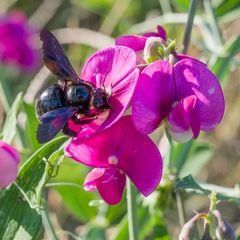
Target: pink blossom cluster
point(172, 89)
point(16, 42)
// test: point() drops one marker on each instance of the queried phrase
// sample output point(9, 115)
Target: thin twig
point(83, 36)
point(168, 18)
point(189, 25)
point(213, 23)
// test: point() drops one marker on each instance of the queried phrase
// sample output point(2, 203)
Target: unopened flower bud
point(154, 49)
point(9, 160)
point(187, 229)
point(225, 231)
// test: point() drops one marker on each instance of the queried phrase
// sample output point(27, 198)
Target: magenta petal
point(107, 67)
point(160, 33)
point(92, 177)
point(93, 151)
point(183, 121)
point(120, 98)
point(153, 96)
point(109, 182)
point(194, 78)
point(111, 185)
point(138, 157)
point(122, 145)
point(9, 160)
point(137, 43)
point(180, 56)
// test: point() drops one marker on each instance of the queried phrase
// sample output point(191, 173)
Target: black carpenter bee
point(70, 99)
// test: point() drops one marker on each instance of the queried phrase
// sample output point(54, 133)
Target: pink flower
point(137, 43)
point(16, 42)
point(114, 71)
point(116, 152)
point(9, 160)
point(186, 95)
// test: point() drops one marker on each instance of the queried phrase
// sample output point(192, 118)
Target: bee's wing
point(52, 123)
point(55, 59)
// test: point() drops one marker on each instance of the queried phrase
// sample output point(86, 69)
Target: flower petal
point(160, 33)
point(138, 157)
point(194, 78)
point(110, 183)
point(120, 98)
point(134, 42)
point(153, 96)
point(180, 56)
point(92, 177)
point(9, 160)
point(183, 121)
point(131, 151)
point(107, 67)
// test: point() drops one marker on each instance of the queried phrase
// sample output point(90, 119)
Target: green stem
point(180, 207)
point(189, 24)
point(211, 217)
point(132, 211)
point(48, 225)
point(213, 22)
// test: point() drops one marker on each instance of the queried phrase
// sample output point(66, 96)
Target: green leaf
point(221, 66)
point(10, 126)
point(31, 126)
point(226, 6)
point(20, 203)
point(226, 194)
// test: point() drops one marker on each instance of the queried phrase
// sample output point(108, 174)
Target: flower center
point(112, 160)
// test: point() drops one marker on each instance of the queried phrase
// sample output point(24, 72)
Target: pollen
point(108, 91)
point(113, 160)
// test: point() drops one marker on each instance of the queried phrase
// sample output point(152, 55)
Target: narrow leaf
point(9, 128)
point(20, 203)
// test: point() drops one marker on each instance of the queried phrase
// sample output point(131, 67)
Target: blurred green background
point(84, 26)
